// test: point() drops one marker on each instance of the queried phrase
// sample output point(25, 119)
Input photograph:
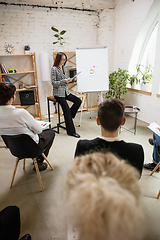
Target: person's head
point(102, 197)
point(7, 91)
point(61, 59)
point(111, 114)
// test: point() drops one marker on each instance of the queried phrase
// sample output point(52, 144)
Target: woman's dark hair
point(7, 91)
point(58, 58)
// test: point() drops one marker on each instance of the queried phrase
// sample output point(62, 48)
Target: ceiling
point(79, 4)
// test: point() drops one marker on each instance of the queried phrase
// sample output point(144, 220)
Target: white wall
point(129, 17)
point(26, 25)
point(106, 34)
point(116, 28)
point(128, 20)
point(149, 105)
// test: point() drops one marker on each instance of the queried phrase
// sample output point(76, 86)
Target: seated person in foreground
point(102, 197)
point(10, 224)
point(155, 142)
point(111, 118)
point(14, 121)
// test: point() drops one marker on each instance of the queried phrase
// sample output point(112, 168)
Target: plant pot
point(26, 52)
point(60, 48)
point(146, 87)
point(133, 85)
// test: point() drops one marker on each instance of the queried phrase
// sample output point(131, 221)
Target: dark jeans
point(46, 138)
point(10, 223)
point(156, 149)
point(68, 112)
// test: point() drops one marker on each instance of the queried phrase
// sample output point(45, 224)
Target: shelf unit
point(26, 73)
point(71, 64)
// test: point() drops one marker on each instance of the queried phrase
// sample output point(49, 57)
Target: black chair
point(23, 146)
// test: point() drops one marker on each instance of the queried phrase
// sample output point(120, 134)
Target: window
point(149, 49)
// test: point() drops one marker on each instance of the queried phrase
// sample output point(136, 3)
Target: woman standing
point(62, 94)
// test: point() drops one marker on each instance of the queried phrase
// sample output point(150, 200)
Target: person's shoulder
point(84, 146)
point(133, 146)
point(19, 110)
point(86, 141)
point(54, 68)
point(22, 112)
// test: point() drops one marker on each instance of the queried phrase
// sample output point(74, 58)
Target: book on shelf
point(33, 86)
point(4, 69)
point(5, 79)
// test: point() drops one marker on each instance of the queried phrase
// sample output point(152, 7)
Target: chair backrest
point(22, 146)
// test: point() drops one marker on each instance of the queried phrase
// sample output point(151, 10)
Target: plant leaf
point(56, 35)
point(54, 29)
point(62, 32)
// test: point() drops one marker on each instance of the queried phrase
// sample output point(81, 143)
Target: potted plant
point(26, 49)
point(118, 84)
point(58, 35)
point(147, 74)
point(135, 78)
point(143, 75)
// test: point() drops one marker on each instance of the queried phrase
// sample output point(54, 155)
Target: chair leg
point(38, 174)
point(15, 168)
point(158, 164)
point(24, 163)
point(158, 194)
point(47, 161)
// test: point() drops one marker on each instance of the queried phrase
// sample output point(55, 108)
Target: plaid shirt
point(60, 87)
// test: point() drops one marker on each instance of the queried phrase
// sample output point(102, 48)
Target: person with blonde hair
point(102, 197)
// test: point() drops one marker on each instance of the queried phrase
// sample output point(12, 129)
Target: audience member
point(14, 121)
point(111, 118)
point(155, 141)
point(10, 224)
point(102, 197)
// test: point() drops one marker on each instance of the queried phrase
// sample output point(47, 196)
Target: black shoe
point(150, 140)
point(75, 135)
point(42, 166)
point(26, 237)
point(150, 166)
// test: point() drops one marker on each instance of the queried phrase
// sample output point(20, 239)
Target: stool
point(59, 124)
point(131, 110)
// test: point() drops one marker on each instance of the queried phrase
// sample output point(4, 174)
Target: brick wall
point(106, 34)
point(129, 18)
point(21, 25)
point(115, 28)
point(149, 105)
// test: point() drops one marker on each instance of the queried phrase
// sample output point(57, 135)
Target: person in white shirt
point(15, 121)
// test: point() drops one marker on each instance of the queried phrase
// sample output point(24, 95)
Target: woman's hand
point(68, 80)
